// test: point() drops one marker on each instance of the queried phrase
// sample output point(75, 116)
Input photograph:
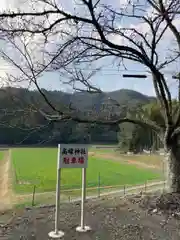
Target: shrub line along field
point(37, 166)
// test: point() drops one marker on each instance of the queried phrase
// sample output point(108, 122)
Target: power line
point(116, 71)
point(94, 69)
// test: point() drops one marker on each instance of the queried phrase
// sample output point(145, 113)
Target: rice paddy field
point(37, 166)
point(1, 155)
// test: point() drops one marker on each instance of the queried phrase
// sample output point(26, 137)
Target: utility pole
point(141, 76)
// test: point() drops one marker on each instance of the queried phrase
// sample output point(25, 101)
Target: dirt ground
point(5, 182)
point(110, 219)
point(114, 157)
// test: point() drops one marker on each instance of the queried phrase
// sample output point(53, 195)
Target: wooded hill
point(20, 123)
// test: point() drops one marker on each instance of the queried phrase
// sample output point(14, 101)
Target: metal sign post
point(83, 228)
point(70, 156)
point(57, 233)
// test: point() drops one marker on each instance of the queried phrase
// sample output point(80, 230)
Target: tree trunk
point(173, 168)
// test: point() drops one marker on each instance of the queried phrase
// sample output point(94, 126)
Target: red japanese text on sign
point(66, 160)
point(73, 160)
point(81, 160)
point(73, 156)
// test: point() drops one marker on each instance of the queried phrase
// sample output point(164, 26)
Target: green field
point(38, 166)
point(1, 155)
point(103, 150)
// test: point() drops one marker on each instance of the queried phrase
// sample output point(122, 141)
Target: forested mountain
point(21, 124)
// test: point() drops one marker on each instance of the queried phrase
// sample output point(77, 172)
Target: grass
point(103, 150)
point(38, 166)
point(1, 155)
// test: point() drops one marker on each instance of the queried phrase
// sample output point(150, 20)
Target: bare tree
point(92, 31)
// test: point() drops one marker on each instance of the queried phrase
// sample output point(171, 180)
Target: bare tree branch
point(103, 122)
point(90, 40)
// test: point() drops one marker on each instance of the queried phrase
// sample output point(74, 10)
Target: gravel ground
point(167, 204)
point(109, 219)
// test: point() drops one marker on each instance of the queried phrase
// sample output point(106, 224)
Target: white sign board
point(70, 156)
point(73, 156)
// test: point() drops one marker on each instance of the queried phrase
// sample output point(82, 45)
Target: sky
point(110, 77)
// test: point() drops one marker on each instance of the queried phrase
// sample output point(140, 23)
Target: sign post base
point(56, 235)
point(84, 229)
